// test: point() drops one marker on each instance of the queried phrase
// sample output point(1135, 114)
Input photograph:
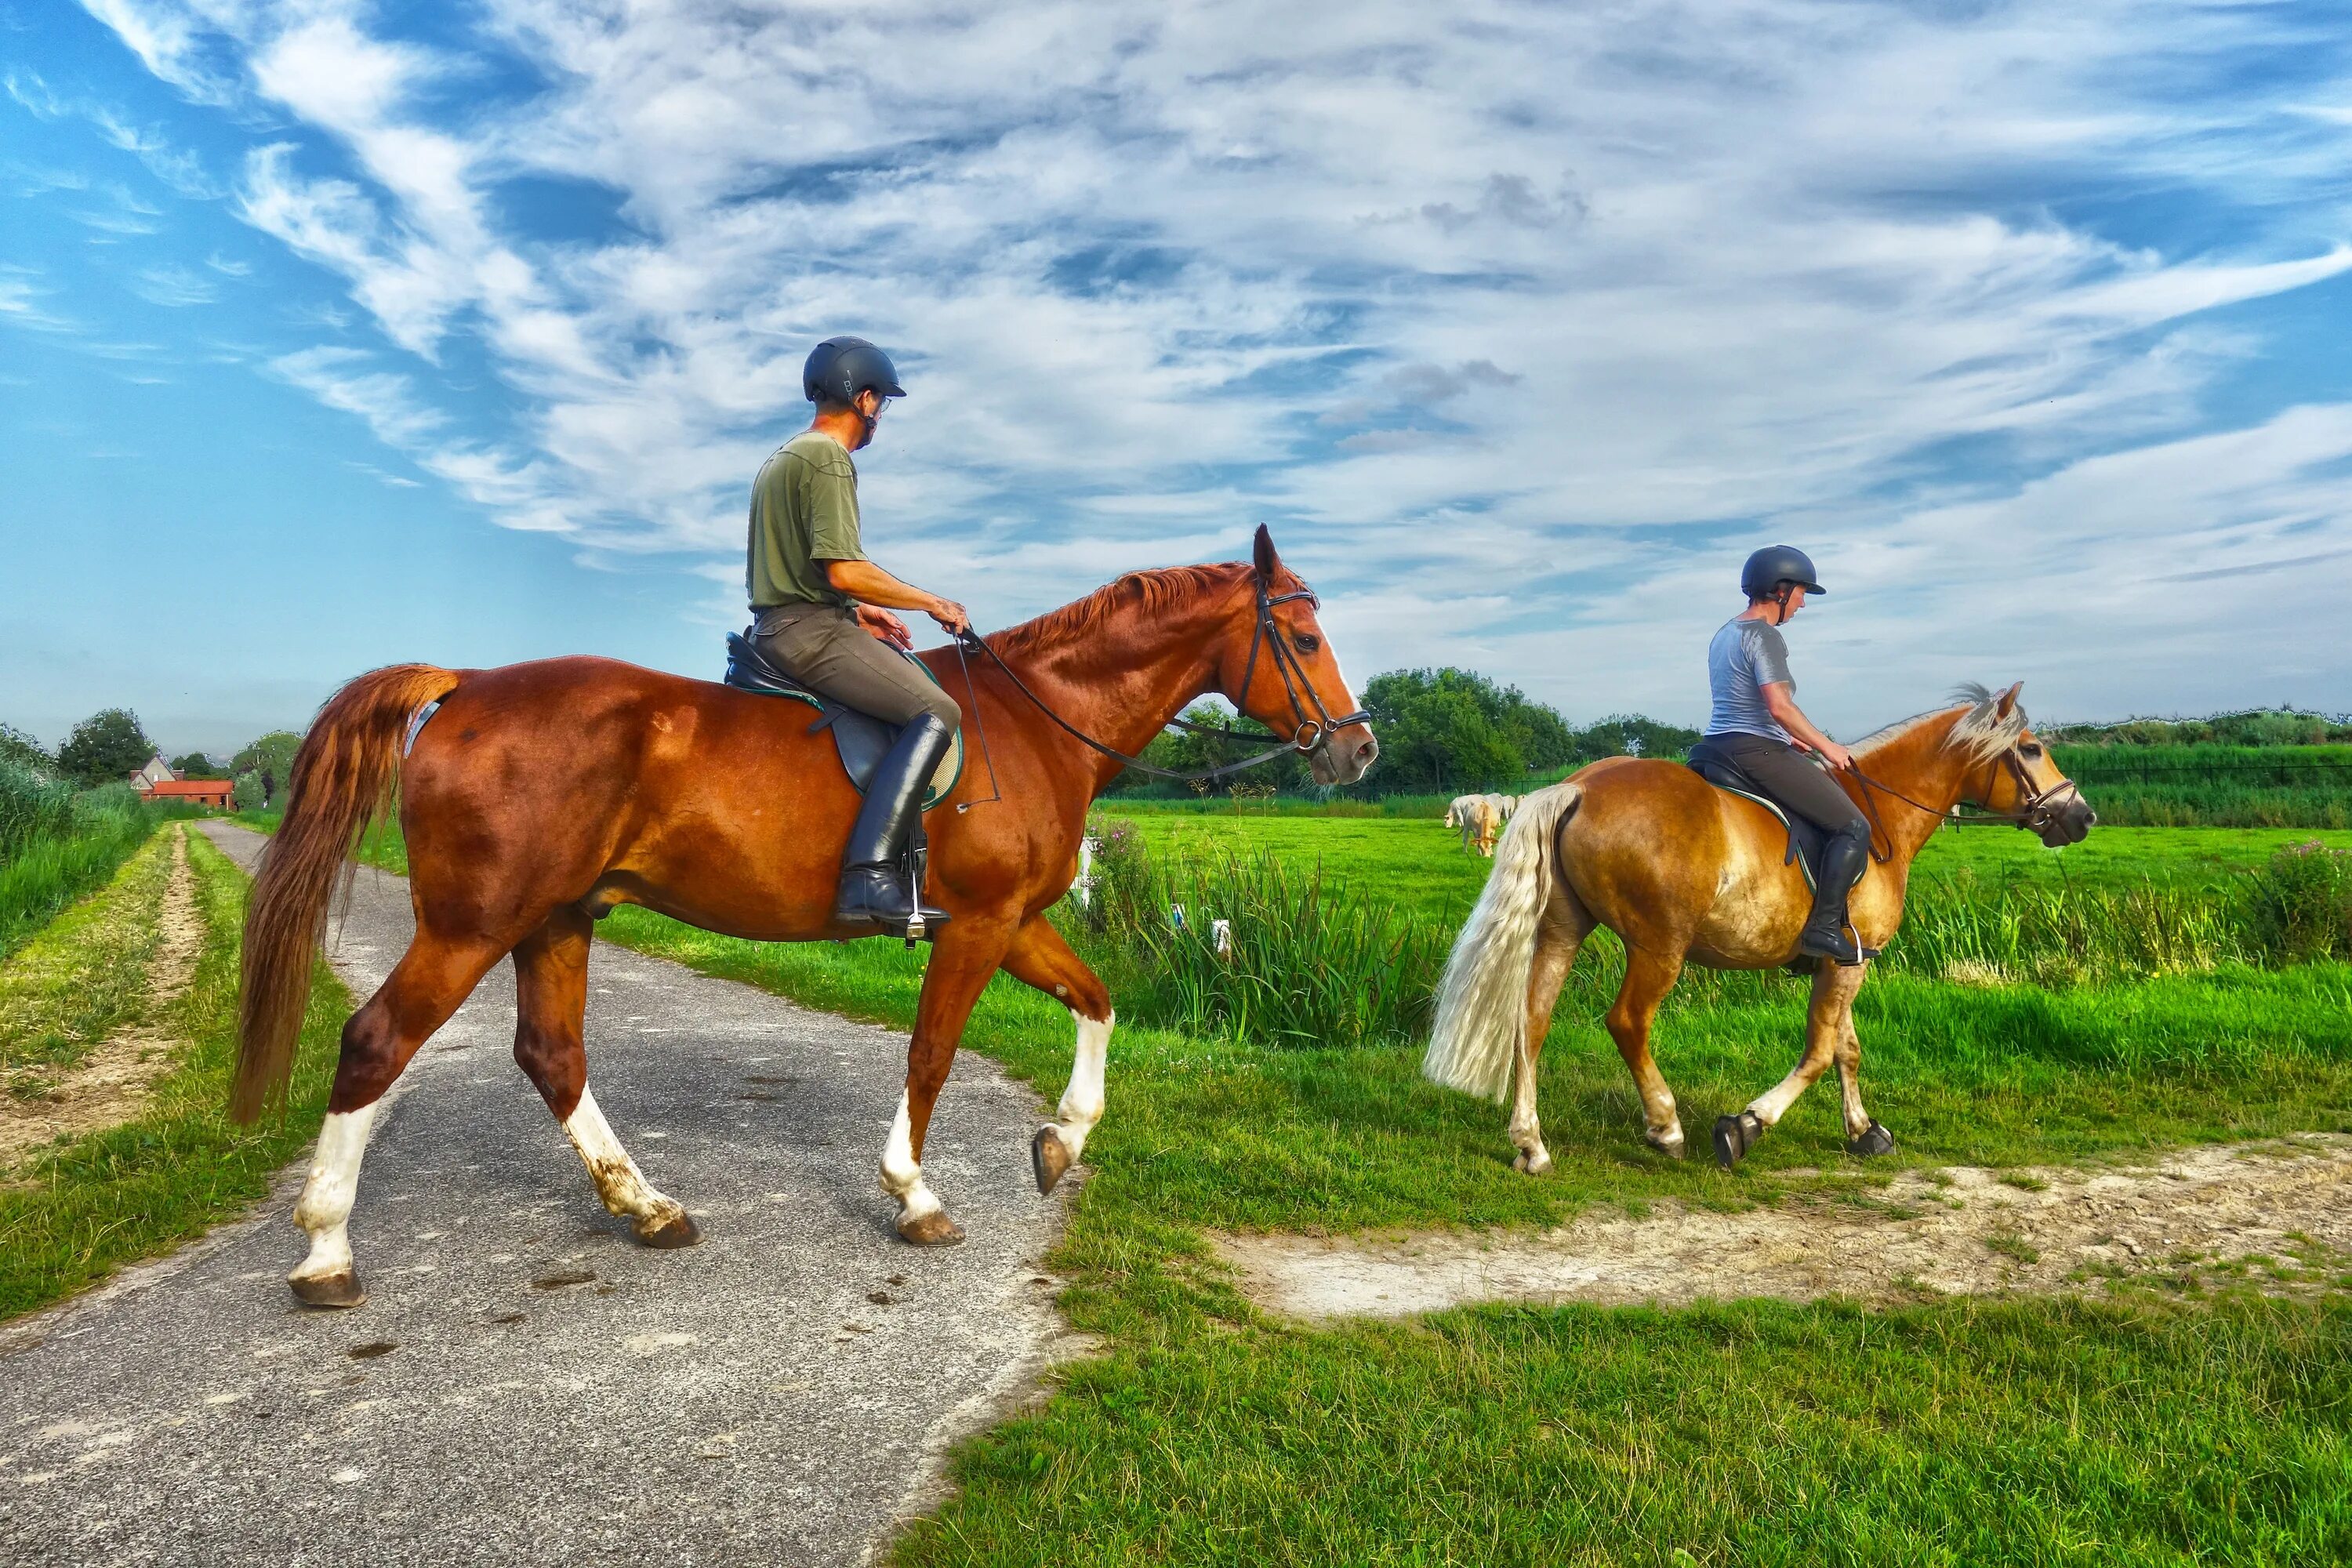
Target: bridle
point(2037, 810)
point(1313, 734)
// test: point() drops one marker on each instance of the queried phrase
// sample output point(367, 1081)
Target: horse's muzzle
point(2071, 825)
point(1345, 756)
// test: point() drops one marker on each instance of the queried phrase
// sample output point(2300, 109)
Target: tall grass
point(57, 844)
point(1311, 960)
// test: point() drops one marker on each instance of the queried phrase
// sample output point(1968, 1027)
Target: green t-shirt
point(804, 512)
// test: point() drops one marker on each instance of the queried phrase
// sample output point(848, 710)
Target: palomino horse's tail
point(1482, 1003)
point(342, 779)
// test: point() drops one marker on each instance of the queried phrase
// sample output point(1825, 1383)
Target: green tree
point(196, 765)
point(1449, 731)
point(17, 747)
point(105, 747)
point(262, 768)
point(1631, 735)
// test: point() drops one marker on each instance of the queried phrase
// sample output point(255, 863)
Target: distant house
point(156, 781)
point(200, 791)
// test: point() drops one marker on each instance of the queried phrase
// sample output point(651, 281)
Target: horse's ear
point(1264, 555)
point(2006, 703)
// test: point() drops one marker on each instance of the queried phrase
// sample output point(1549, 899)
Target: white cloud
point(1551, 297)
point(174, 286)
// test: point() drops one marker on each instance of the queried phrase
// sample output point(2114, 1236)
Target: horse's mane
point(1981, 731)
point(1150, 592)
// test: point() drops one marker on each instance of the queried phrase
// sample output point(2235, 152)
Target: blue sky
point(335, 334)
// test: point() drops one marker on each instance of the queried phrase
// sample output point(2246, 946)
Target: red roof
point(200, 789)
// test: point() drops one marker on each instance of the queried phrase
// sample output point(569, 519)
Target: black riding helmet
point(1775, 565)
point(838, 369)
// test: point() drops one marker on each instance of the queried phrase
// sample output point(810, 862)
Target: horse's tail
point(1482, 1003)
point(343, 780)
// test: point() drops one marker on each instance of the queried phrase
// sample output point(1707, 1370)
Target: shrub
point(2298, 905)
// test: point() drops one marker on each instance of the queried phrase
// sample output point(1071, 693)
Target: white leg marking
point(619, 1183)
point(325, 1207)
point(901, 1178)
point(1081, 1101)
point(1774, 1102)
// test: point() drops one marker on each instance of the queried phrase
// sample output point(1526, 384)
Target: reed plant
point(1309, 958)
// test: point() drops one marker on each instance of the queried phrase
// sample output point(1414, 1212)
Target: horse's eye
point(2030, 750)
point(1307, 642)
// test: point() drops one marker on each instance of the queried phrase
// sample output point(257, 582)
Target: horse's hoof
point(1671, 1147)
point(1049, 1158)
point(678, 1230)
point(1874, 1140)
point(933, 1229)
point(1534, 1164)
point(340, 1288)
point(1735, 1135)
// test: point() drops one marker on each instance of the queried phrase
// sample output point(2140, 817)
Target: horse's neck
point(1134, 672)
point(1923, 765)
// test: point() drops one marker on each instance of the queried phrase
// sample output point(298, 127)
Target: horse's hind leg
point(433, 977)
point(551, 1019)
point(1563, 928)
point(1825, 1023)
point(1041, 959)
point(1649, 976)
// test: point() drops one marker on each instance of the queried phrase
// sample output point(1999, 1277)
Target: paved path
point(776, 1396)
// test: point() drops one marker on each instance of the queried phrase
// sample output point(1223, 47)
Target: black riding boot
point(1826, 934)
point(873, 881)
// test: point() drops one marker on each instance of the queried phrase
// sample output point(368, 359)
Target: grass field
point(59, 843)
point(71, 1215)
point(2169, 1425)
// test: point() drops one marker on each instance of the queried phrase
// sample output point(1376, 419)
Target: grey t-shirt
point(1745, 658)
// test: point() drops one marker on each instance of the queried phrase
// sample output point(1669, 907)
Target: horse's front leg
point(1864, 1135)
point(1041, 959)
point(1825, 1020)
point(967, 952)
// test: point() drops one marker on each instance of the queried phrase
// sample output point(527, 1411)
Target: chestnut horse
point(540, 795)
point(1688, 873)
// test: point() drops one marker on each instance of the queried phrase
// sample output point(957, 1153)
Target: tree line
point(111, 744)
point(1442, 732)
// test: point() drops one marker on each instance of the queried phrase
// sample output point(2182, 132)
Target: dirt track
point(1961, 1230)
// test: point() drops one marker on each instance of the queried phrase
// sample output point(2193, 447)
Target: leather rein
point(2037, 811)
point(1313, 734)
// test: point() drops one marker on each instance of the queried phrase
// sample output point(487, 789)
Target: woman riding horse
point(1755, 725)
point(1688, 873)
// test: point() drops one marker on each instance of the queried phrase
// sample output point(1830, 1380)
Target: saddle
point(1805, 840)
point(861, 740)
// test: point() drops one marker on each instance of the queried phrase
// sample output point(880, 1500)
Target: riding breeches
point(1796, 783)
point(824, 648)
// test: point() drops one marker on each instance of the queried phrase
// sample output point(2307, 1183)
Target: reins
point(2033, 814)
point(1313, 734)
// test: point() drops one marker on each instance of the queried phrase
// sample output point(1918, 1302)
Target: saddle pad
point(861, 740)
point(1804, 838)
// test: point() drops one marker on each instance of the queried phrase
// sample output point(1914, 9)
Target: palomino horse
point(1684, 873)
point(540, 795)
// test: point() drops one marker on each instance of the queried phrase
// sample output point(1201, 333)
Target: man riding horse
point(821, 612)
point(1755, 724)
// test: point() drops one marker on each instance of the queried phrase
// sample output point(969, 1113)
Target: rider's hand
point(949, 614)
point(1837, 756)
point(885, 625)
